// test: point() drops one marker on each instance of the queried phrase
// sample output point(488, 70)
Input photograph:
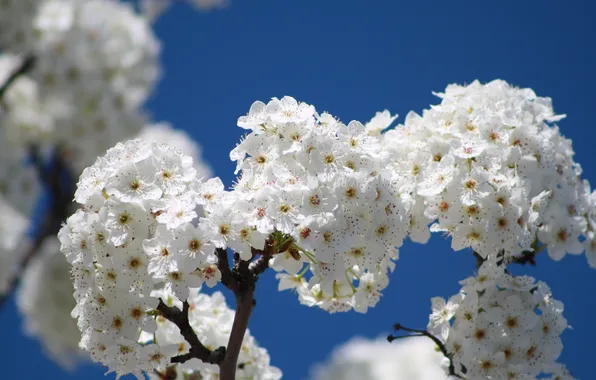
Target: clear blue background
point(353, 58)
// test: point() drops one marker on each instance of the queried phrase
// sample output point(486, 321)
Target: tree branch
point(259, 265)
point(245, 303)
point(436, 340)
point(241, 279)
point(26, 65)
point(528, 257)
point(525, 258)
point(197, 349)
point(479, 259)
point(224, 267)
point(245, 274)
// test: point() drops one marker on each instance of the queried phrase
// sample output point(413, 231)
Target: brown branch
point(224, 267)
point(525, 258)
point(241, 279)
point(26, 65)
point(245, 303)
point(197, 349)
point(436, 340)
point(259, 265)
point(246, 274)
point(169, 374)
point(528, 257)
point(479, 259)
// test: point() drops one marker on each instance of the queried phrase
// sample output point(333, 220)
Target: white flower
point(380, 122)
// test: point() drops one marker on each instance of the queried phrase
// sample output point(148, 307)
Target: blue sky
point(353, 58)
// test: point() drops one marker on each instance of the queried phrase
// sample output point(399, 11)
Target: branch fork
point(241, 280)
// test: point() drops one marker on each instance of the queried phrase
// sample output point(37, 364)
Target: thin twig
point(26, 65)
point(436, 340)
point(527, 257)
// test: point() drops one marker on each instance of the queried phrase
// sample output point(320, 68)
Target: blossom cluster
point(501, 326)
point(336, 202)
point(45, 302)
point(211, 320)
point(132, 233)
point(323, 185)
point(95, 63)
point(492, 172)
point(308, 180)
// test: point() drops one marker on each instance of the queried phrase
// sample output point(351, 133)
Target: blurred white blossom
point(12, 228)
point(407, 359)
point(45, 300)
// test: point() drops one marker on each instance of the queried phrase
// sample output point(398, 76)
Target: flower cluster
point(132, 233)
point(324, 186)
point(311, 186)
point(501, 326)
point(45, 301)
point(491, 171)
point(211, 319)
point(95, 62)
point(329, 205)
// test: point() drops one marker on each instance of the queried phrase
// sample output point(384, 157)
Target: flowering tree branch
point(242, 281)
point(259, 222)
point(525, 258)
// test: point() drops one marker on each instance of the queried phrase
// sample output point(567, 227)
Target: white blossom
point(500, 324)
point(45, 301)
point(493, 172)
point(412, 358)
